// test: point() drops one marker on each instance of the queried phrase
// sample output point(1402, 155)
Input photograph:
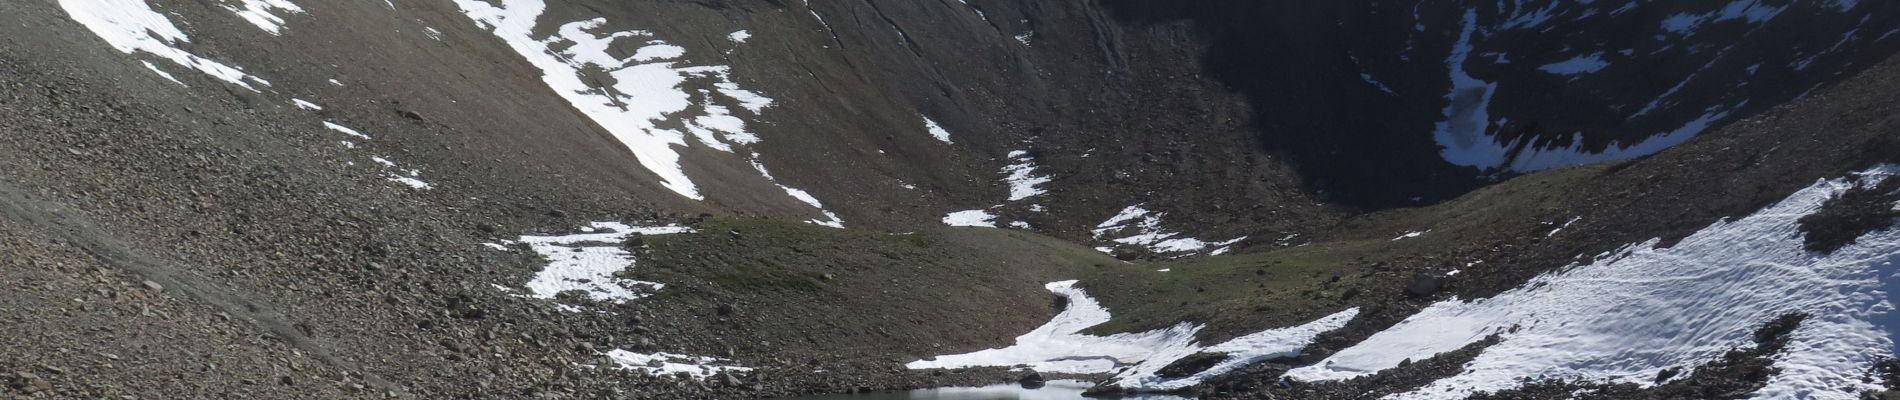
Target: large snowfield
point(1629, 315)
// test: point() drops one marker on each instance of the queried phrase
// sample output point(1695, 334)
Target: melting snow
point(936, 131)
point(132, 26)
point(1411, 234)
point(1561, 228)
point(739, 36)
point(162, 74)
point(409, 177)
point(1465, 138)
point(644, 89)
point(668, 364)
point(1023, 182)
point(831, 219)
point(981, 218)
point(979, 12)
point(1751, 11)
point(1465, 132)
point(1641, 310)
point(1059, 346)
point(1022, 178)
point(1576, 66)
point(587, 262)
point(346, 130)
point(262, 13)
point(1143, 228)
point(1367, 76)
point(303, 104)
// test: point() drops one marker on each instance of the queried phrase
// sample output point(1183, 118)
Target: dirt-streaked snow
point(1059, 346)
point(1633, 313)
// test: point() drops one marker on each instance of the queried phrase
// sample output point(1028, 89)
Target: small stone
point(153, 285)
point(727, 309)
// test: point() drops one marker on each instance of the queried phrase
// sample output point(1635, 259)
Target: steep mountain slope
point(731, 199)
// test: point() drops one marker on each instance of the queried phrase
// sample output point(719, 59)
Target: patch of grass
point(758, 280)
point(754, 255)
point(1233, 294)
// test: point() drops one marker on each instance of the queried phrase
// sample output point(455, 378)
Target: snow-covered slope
point(1628, 316)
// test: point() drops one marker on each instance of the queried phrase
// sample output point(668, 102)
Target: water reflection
point(1054, 390)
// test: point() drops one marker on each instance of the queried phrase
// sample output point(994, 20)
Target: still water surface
point(1054, 390)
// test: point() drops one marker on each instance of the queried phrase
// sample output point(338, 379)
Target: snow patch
point(587, 262)
point(739, 36)
point(408, 177)
point(132, 26)
point(831, 219)
point(263, 13)
point(1465, 132)
point(643, 89)
point(668, 364)
point(936, 131)
point(162, 74)
point(1059, 346)
point(1638, 311)
point(1137, 226)
point(1022, 178)
point(1579, 65)
point(307, 105)
point(346, 130)
point(982, 218)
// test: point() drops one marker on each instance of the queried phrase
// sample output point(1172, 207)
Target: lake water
point(1054, 390)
